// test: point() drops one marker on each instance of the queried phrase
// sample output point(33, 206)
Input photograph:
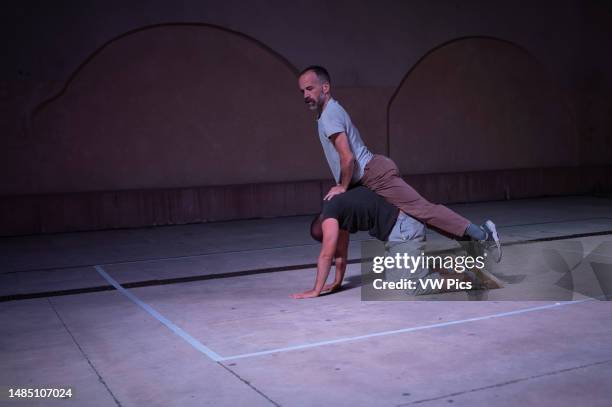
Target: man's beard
point(316, 105)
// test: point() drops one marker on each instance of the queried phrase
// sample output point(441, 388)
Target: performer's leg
point(382, 176)
point(407, 239)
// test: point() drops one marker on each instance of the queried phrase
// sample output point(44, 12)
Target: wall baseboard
point(99, 210)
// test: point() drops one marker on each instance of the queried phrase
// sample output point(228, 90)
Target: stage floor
point(201, 315)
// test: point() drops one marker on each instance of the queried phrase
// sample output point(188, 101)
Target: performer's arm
point(328, 249)
point(341, 261)
point(347, 164)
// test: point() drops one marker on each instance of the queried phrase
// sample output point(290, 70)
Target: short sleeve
point(333, 122)
point(331, 209)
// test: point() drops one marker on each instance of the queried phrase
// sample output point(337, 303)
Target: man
point(352, 163)
point(354, 210)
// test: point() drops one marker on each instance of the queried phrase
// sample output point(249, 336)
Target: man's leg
point(382, 176)
point(407, 238)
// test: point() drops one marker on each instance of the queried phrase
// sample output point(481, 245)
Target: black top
point(361, 209)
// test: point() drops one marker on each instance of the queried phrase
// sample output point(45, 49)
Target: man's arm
point(347, 163)
point(328, 249)
point(341, 261)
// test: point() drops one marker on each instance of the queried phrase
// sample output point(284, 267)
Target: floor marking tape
point(404, 330)
point(177, 330)
point(218, 358)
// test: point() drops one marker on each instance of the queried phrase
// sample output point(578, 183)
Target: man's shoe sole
point(491, 227)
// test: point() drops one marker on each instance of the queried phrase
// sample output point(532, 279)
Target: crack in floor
point(250, 385)
point(84, 354)
point(506, 383)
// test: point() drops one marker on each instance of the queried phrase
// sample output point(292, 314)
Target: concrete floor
point(203, 316)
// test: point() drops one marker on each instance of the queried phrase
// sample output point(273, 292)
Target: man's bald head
point(314, 83)
point(319, 71)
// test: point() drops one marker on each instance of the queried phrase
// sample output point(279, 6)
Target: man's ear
point(325, 87)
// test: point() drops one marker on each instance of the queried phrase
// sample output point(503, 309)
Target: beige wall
point(480, 104)
point(130, 90)
point(175, 106)
point(100, 99)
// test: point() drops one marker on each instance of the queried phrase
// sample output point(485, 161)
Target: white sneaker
point(492, 240)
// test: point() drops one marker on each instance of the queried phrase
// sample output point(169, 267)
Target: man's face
point(313, 90)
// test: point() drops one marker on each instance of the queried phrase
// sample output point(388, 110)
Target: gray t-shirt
point(334, 119)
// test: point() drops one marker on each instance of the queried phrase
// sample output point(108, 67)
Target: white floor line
point(218, 358)
point(405, 330)
point(177, 330)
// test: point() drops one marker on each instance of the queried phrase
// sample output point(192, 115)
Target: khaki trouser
point(382, 176)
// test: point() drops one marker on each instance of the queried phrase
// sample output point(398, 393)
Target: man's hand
point(331, 230)
point(305, 294)
point(337, 190)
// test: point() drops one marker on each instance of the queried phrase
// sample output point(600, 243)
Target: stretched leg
point(382, 176)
